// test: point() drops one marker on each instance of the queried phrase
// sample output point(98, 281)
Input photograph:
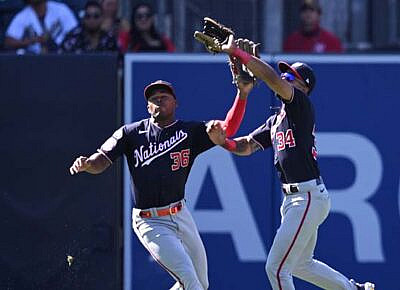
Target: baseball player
point(306, 202)
point(160, 152)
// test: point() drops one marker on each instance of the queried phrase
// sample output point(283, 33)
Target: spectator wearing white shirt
point(40, 27)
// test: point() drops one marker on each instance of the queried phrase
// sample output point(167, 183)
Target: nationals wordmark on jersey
point(154, 150)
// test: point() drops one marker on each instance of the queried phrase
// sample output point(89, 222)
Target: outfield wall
point(235, 200)
point(53, 109)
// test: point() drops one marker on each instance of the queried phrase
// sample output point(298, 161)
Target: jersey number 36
point(181, 159)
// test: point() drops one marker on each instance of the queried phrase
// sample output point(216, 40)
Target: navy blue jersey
point(291, 133)
point(159, 159)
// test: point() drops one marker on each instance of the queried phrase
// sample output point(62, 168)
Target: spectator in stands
point(40, 27)
point(111, 22)
point(311, 37)
point(143, 36)
point(89, 37)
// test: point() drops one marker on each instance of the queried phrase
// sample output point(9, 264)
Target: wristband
point(229, 144)
point(243, 56)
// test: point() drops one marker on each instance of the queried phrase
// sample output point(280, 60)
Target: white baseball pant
point(175, 243)
point(294, 243)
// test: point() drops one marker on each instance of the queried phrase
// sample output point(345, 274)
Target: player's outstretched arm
point(268, 75)
point(243, 146)
point(260, 69)
point(235, 115)
point(95, 164)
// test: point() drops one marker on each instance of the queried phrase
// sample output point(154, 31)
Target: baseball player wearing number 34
point(306, 202)
point(160, 152)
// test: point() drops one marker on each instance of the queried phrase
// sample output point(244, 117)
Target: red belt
point(162, 212)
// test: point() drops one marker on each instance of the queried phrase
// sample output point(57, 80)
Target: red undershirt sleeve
point(235, 116)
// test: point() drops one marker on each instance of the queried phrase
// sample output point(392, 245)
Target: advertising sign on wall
point(235, 200)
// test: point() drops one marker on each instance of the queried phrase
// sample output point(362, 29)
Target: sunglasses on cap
point(140, 16)
point(288, 76)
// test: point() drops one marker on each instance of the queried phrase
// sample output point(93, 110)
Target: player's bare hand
point(230, 46)
point(216, 132)
point(79, 165)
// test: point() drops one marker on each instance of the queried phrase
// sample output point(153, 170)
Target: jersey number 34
point(285, 139)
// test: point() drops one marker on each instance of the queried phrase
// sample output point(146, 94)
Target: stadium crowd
point(46, 26)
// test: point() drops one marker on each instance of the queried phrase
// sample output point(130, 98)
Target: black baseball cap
point(160, 84)
point(301, 71)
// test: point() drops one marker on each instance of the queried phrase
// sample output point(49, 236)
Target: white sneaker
point(364, 286)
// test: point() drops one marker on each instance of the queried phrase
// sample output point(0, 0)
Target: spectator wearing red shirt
point(311, 37)
point(143, 36)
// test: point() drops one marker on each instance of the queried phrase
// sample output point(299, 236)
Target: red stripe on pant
point(294, 240)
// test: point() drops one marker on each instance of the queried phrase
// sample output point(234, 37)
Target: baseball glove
point(214, 35)
point(240, 72)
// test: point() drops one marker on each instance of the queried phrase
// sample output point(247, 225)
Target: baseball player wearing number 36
point(306, 202)
point(160, 152)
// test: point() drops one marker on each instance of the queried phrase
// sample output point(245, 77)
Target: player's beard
point(162, 118)
point(158, 116)
point(162, 115)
